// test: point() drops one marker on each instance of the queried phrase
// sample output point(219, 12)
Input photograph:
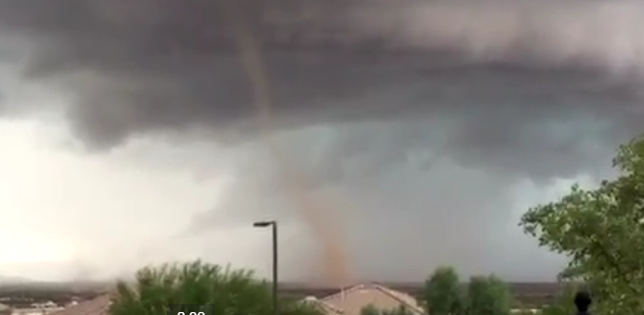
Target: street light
point(273, 224)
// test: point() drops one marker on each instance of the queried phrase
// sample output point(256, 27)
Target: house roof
point(525, 293)
point(350, 301)
point(97, 306)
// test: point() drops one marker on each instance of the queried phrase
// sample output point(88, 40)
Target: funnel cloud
point(430, 124)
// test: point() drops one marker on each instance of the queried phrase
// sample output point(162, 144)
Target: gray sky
point(425, 128)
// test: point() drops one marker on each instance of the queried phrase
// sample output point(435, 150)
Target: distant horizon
point(71, 271)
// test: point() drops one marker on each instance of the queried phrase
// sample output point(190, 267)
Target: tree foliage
point(373, 310)
point(601, 231)
point(370, 310)
point(488, 295)
point(563, 304)
point(224, 290)
point(442, 293)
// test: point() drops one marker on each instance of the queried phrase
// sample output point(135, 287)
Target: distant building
point(97, 306)
point(5, 310)
point(46, 305)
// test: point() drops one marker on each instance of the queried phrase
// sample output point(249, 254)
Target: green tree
point(226, 291)
point(488, 295)
point(442, 293)
point(373, 310)
point(370, 310)
point(601, 231)
point(400, 310)
point(563, 304)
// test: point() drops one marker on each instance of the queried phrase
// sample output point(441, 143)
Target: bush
point(223, 290)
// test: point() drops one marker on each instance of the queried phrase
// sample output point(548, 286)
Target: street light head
point(263, 223)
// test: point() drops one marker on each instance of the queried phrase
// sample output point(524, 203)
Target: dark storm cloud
point(424, 109)
point(140, 66)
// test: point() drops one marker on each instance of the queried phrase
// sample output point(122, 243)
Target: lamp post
point(273, 225)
